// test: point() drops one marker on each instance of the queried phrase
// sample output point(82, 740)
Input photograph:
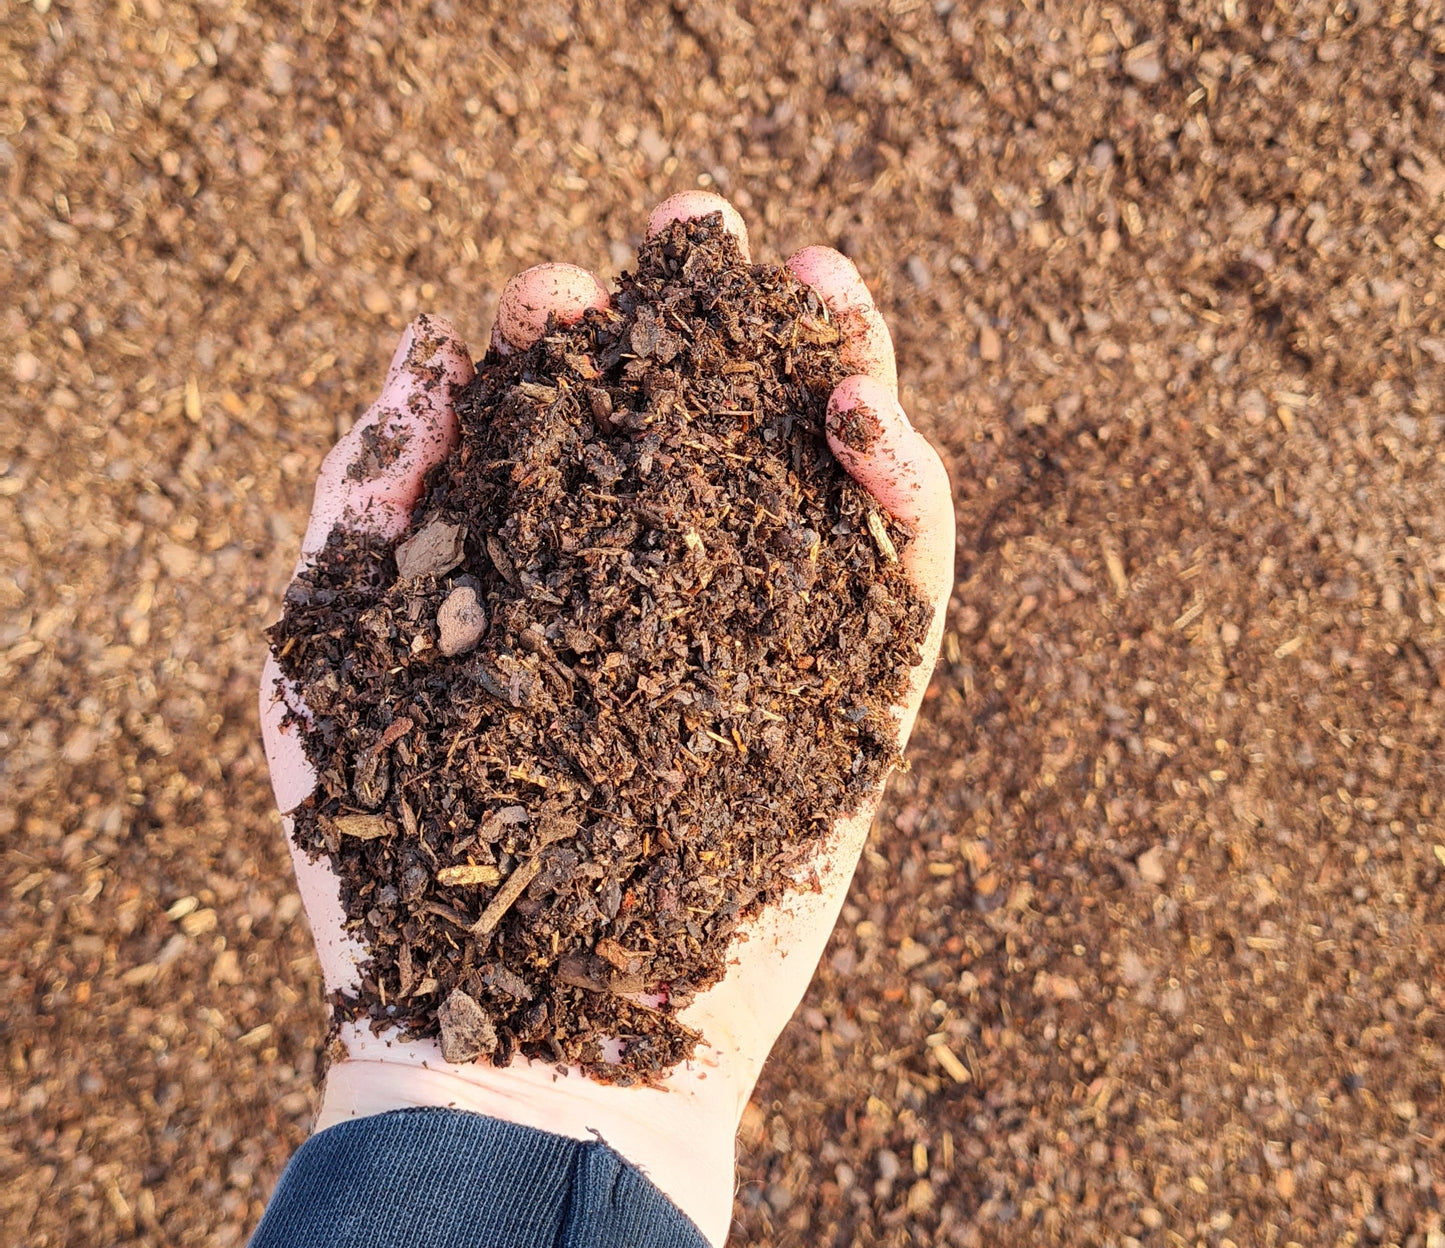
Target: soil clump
point(635, 656)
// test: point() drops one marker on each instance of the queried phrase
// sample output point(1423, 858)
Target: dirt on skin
point(1146, 946)
point(603, 702)
point(379, 450)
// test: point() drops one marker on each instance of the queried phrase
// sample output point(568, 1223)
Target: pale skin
point(681, 1133)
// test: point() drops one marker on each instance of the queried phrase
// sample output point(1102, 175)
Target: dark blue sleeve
point(442, 1178)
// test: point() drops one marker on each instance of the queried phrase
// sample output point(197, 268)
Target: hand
point(682, 1132)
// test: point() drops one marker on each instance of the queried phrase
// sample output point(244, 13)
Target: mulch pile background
point(1147, 946)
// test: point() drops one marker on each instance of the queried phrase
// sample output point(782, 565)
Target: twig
point(506, 895)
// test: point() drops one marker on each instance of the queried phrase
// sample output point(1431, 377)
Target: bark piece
point(433, 550)
point(466, 1029)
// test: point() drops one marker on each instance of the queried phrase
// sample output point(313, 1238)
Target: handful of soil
point(604, 701)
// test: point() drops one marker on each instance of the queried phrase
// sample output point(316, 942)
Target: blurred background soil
point(1146, 948)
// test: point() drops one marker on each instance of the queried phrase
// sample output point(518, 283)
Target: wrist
point(680, 1135)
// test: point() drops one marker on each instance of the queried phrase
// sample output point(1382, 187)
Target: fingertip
point(534, 296)
point(689, 205)
point(875, 441)
point(832, 274)
point(411, 427)
point(435, 345)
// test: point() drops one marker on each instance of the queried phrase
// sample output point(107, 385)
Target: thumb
point(371, 478)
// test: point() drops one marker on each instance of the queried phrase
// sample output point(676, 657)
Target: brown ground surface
point(1166, 878)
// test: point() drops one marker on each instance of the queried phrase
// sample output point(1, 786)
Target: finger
point(881, 450)
point(372, 477)
point(340, 953)
point(564, 291)
point(688, 205)
point(292, 775)
point(867, 345)
point(292, 779)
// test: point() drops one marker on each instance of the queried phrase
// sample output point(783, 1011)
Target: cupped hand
point(681, 1132)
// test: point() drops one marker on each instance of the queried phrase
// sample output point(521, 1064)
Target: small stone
point(1133, 969)
point(1142, 63)
point(990, 345)
point(1410, 995)
point(376, 301)
point(227, 969)
point(653, 145)
point(751, 1125)
point(460, 621)
point(1151, 866)
point(25, 368)
point(912, 954)
point(1056, 987)
point(467, 1032)
point(200, 922)
point(434, 549)
point(920, 1197)
point(1284, 1184)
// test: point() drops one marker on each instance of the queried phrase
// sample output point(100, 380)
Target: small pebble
point(460, 621)
point(25, 368)
point(1142, 64)
point(1151, 866)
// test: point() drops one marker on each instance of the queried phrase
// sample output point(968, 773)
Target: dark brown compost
point(635, 655)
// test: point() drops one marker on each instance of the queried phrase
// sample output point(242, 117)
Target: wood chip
point(506, 895)
point(1117, 576)
point(885, 544)
point(362, 827)
point(952, 1067)
point(612, 951)
point(499, 820)
point(469, 873)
